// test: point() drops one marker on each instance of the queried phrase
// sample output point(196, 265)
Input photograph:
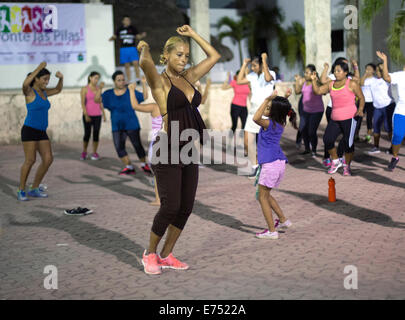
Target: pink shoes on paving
point(153, 263)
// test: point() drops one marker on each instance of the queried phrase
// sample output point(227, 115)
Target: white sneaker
point(374, 150)
point(287, 224)
point(266, 234)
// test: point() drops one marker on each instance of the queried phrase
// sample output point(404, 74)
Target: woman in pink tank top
point(92, 110)
point(312, 110)
point(343, 92)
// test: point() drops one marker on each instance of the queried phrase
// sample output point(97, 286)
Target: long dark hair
point(92, 74)
point(259, 60)
point(41, 73)
point(280, 110)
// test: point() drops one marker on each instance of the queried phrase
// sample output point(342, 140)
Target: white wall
point(100, 54)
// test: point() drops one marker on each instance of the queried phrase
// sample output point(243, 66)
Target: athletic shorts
point(272, 173)
point(31, 134)
point(399, 129)
point(128, 54)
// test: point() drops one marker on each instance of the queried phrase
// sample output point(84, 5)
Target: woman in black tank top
point(178, 101)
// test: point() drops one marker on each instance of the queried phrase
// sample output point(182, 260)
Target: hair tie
point(290, 113)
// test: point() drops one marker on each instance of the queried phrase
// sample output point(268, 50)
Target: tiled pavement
point(98, 256)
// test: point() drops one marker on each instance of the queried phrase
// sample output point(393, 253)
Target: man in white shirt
point(396, 78)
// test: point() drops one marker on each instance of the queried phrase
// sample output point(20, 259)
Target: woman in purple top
point(271, 158)
point(312, 111)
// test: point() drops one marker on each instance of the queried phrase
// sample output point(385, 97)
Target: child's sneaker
point(347, 171)
point(286, 224)
point(335, 166)
point(36, 193)
point(95, 156)
point(327, 163)
point(21, 195)
point(266, 234)
point(83, 156)
point(151, 264)
point(171, 262)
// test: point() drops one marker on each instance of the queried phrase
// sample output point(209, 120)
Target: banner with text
point(34, 32)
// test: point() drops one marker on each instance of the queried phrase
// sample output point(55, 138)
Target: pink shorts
point(272, 173)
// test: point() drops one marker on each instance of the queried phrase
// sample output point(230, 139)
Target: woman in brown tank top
point(178, 101)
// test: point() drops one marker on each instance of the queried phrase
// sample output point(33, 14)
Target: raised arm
point(267, 75)
point(324, 76)
point(97, 96)
point(385, 72)
point(299, 82)
point(149, 107)
point(319, 90)
point(241, 79)
point(26, 88)
point(356, 76)
point(226, 85)
point(59, 86)
point(257, 118)
point(145, 90)
point(201, 69)
point(152, 77)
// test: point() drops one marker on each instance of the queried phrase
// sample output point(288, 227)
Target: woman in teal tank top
point(33, 132)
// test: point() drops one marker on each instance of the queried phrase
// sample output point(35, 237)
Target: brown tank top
point(185, 112)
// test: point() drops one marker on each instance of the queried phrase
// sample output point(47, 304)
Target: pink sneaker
point(327, 163)
point(286, 224)
point(95, 156)
point(170, 262)
point(266, 234)
point(334, 166)
point(151, 264)
point(83, 156)
point(347, 171)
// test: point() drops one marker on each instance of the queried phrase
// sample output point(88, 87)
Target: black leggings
point(238, 112)
point(335, 128)
point(369, 109)
point(96, 124)
point(341, 148)
point(177, 187)
point(120, 137)
point(298, 139)
point(312, 121)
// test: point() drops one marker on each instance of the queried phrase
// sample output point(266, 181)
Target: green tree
point(291, 42)
point(370, 9)
point(237, 32)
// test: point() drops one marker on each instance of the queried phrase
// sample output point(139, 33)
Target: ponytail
point(292, 118)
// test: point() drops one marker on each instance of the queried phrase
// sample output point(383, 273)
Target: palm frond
point(395, 33)
point(370, 9)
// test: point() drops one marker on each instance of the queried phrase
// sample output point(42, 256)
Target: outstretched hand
point(288, 93)
point(382, 56)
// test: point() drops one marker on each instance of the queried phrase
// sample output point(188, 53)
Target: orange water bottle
point(332, 190)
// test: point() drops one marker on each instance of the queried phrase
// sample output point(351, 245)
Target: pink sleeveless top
point(93, 108)
point(312, 102)
point(343, 102)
